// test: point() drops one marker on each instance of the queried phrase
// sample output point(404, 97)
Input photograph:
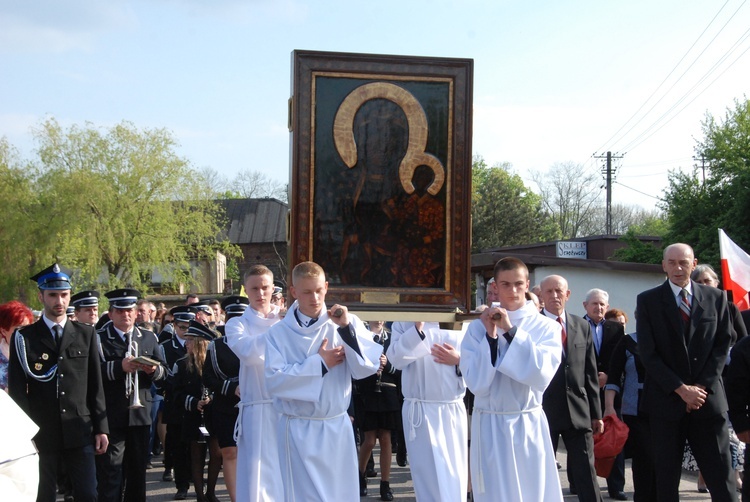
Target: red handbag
point(609, 444)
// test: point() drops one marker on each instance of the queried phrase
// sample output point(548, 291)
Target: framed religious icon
point(381, 178)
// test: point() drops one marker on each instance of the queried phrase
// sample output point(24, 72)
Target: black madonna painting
point(381, 163)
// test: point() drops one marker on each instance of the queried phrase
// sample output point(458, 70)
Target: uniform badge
point(56, 269)
point(38, 366)
point(45, 356)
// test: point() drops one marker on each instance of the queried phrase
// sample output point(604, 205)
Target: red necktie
point(564, 333)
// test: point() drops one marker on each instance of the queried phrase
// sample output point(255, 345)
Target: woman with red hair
point(13, 315)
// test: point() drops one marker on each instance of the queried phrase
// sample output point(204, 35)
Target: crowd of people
point(290, 403)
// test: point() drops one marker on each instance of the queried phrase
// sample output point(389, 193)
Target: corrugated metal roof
point(253, 221)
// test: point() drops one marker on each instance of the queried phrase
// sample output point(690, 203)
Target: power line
point(644, 175)
point(663, 81)
point(635, 142)
point(676, 82)
point(642, 193)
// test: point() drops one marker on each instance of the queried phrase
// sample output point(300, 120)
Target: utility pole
point(608, 175)
point(703, 167)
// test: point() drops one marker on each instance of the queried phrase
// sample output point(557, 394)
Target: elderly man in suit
point(606, 335)
point(54, 376)
point(571, 401)
point(684, 333)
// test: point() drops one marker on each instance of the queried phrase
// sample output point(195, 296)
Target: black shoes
point(401, 459)
point(371, 473)
point(385, 491)
point(167, 476)
point(180, 495)
point(362, 485)
point(618, 496)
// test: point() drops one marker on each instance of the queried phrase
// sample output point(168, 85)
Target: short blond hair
point(257, 270)
point(307, 269)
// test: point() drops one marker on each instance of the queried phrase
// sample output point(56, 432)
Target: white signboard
point(567, 249)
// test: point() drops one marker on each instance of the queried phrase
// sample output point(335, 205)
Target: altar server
point(258, 473)
point(311, 357)
point(508, 357)
point(434, 415)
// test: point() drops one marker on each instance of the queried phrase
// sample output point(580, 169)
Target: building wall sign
point(568, 249)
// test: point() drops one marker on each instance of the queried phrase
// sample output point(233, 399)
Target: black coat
point(188, 390)
point(612, 333)
point(70, 408)
point(221, 375)
point(737, 381)
point(670, 362)
point(172, 351)
point(572, 397)
point(112, 351)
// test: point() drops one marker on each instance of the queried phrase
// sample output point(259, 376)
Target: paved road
point(403, 488)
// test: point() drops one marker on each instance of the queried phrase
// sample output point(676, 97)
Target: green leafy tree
point(696, 209)
point(504, 211)
point(17, 238)
point(114, 204)
point(637, 251)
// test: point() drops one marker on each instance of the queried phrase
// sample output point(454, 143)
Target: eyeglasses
point(181, 327)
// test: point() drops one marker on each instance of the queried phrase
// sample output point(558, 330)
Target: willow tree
point(17, 240)
point(116, 203)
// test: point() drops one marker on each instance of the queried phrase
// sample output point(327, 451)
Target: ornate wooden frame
point(343, 103)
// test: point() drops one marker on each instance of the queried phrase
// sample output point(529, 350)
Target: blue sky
point(554, 81)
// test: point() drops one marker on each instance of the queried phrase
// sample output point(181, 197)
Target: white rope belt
point(416, 412)
point(288, 485)
point(241, 406)
point(476, 440)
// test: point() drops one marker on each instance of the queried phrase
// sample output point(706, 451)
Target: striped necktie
point(684, 306)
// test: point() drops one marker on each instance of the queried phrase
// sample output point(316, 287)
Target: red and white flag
point(735, 269)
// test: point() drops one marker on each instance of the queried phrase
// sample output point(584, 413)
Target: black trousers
point(709, 440)
point(126, 457)
point(639, 446)
point(80, 466)
point(616, 479)
point(581, 472)
point(177, 456)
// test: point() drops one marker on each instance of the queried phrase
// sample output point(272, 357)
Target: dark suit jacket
point(112, 350)
point(612, 333)
point(70, 408)
point(670, 362)
point(572, 397)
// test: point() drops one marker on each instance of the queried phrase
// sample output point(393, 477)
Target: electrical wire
point(664, 81)
point(642, 193)
point(677, 81)
point(637, 140)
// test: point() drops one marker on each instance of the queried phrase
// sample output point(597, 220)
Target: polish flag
point(735, 269)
